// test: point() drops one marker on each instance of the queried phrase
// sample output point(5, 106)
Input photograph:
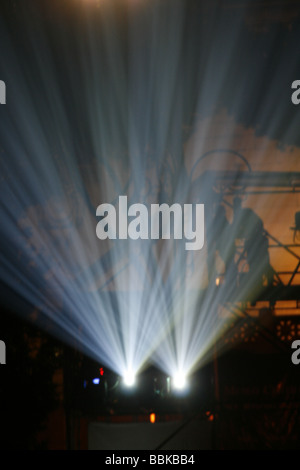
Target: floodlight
point(129, 379)
point(179, 381)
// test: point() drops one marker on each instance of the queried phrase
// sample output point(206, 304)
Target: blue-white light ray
point(101, 112)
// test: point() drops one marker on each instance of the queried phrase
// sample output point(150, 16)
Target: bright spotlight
point(179, 381)
point(129, 379)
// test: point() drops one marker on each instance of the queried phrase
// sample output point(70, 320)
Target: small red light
point(101, 370)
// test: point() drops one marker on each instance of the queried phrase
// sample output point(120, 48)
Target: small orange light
point(152, 418)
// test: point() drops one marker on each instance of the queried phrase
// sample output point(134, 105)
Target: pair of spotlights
point(179, 381)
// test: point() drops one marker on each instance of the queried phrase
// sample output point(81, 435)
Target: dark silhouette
point(248, 226)
point(224, 243)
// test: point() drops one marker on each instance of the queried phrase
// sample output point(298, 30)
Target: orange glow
point(152, 418)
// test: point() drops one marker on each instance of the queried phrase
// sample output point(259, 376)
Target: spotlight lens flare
point(129, 379)
point(179, 381)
